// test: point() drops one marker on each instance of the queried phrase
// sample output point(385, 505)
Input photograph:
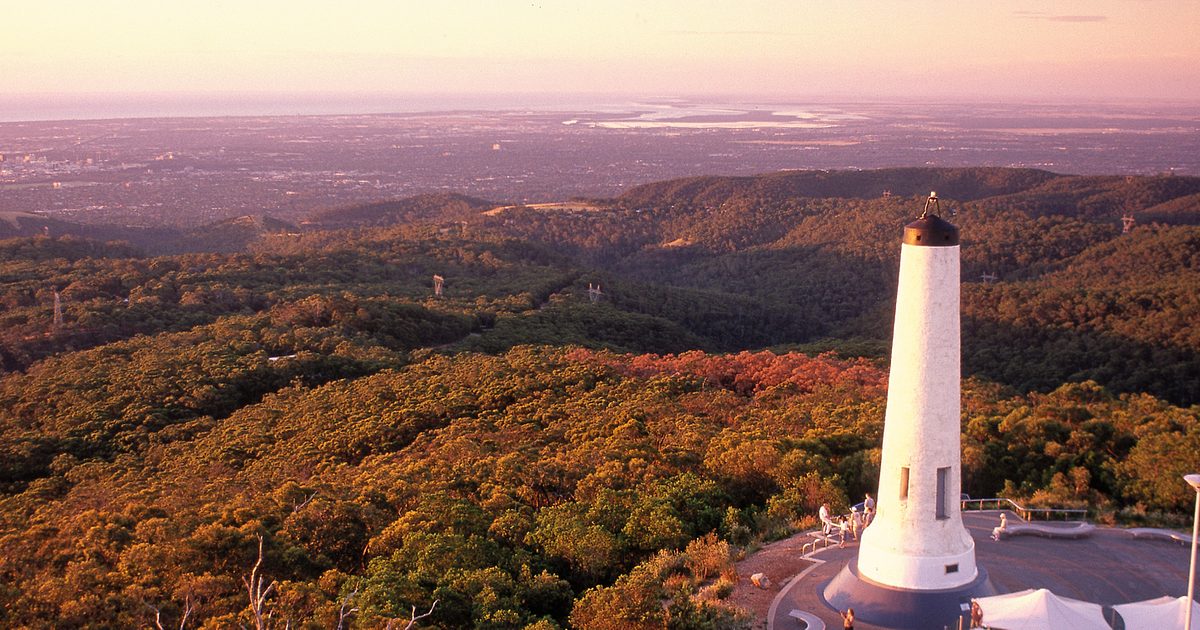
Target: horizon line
point(723, 95)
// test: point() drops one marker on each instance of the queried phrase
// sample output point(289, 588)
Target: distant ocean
point(618, 111)
point(46, 107)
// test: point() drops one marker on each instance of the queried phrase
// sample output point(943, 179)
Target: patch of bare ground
point(780, 561)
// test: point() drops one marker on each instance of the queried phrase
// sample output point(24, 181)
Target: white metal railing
point(1028, 514)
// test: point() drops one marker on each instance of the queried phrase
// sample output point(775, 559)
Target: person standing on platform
point(856, 522)
point(868, 510)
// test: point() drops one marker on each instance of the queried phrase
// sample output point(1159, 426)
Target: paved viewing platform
point(1103, 565)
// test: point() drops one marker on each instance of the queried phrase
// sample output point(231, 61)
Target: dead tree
point(157, 615)
point(412, 623)
point(299, 505)
point(188, 609)
point(258, 593)
point(346, 610)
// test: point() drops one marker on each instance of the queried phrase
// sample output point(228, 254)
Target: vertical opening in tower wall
point(904, 483)
point(943, 476)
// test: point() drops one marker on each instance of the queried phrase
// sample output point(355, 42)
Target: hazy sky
point(1060, 49)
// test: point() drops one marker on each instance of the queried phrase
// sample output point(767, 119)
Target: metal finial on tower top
point(932, 200)
point(929, 229)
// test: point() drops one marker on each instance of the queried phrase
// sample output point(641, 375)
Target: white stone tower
point(916, 562)
point(918, 540)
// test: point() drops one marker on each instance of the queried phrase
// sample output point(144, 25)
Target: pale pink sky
point(1066, 49)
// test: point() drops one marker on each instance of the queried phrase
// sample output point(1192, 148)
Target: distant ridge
point(226, 235)
point(1093, 196)
point(14, 224)
point(232, 235)
point(1170, 199)
point(1156, 255)
point(1181, 210)
point(430, 207)
point(69, 248)
point(964, 184)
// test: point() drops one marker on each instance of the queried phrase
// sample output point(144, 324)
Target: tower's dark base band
point(903, 608)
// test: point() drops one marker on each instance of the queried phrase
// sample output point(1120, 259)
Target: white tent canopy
point(1158, 614)
point(1039, 609)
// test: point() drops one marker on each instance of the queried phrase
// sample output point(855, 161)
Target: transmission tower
point(58, 318)
point(988, 278)
point(1127, 222)
point(887, 194)
point(438, 281)
point(594, 292)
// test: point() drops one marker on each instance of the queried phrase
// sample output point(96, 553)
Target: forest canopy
point(597, 412)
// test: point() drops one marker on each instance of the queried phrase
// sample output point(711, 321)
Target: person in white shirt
point(999, 531)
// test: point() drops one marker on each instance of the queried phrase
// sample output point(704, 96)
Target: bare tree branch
point(188, 609)
point(296, 507)
point(157, 615)
point(345, 611)
point(257, 593)
point(412, 623)
point(415, 617)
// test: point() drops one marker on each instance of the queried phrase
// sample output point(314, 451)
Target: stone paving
point(1109, 567)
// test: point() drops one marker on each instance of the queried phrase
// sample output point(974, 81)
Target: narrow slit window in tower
point(942, 475)
point(904, 483)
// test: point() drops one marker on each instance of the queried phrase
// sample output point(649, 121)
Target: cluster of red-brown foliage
point(747, 372)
